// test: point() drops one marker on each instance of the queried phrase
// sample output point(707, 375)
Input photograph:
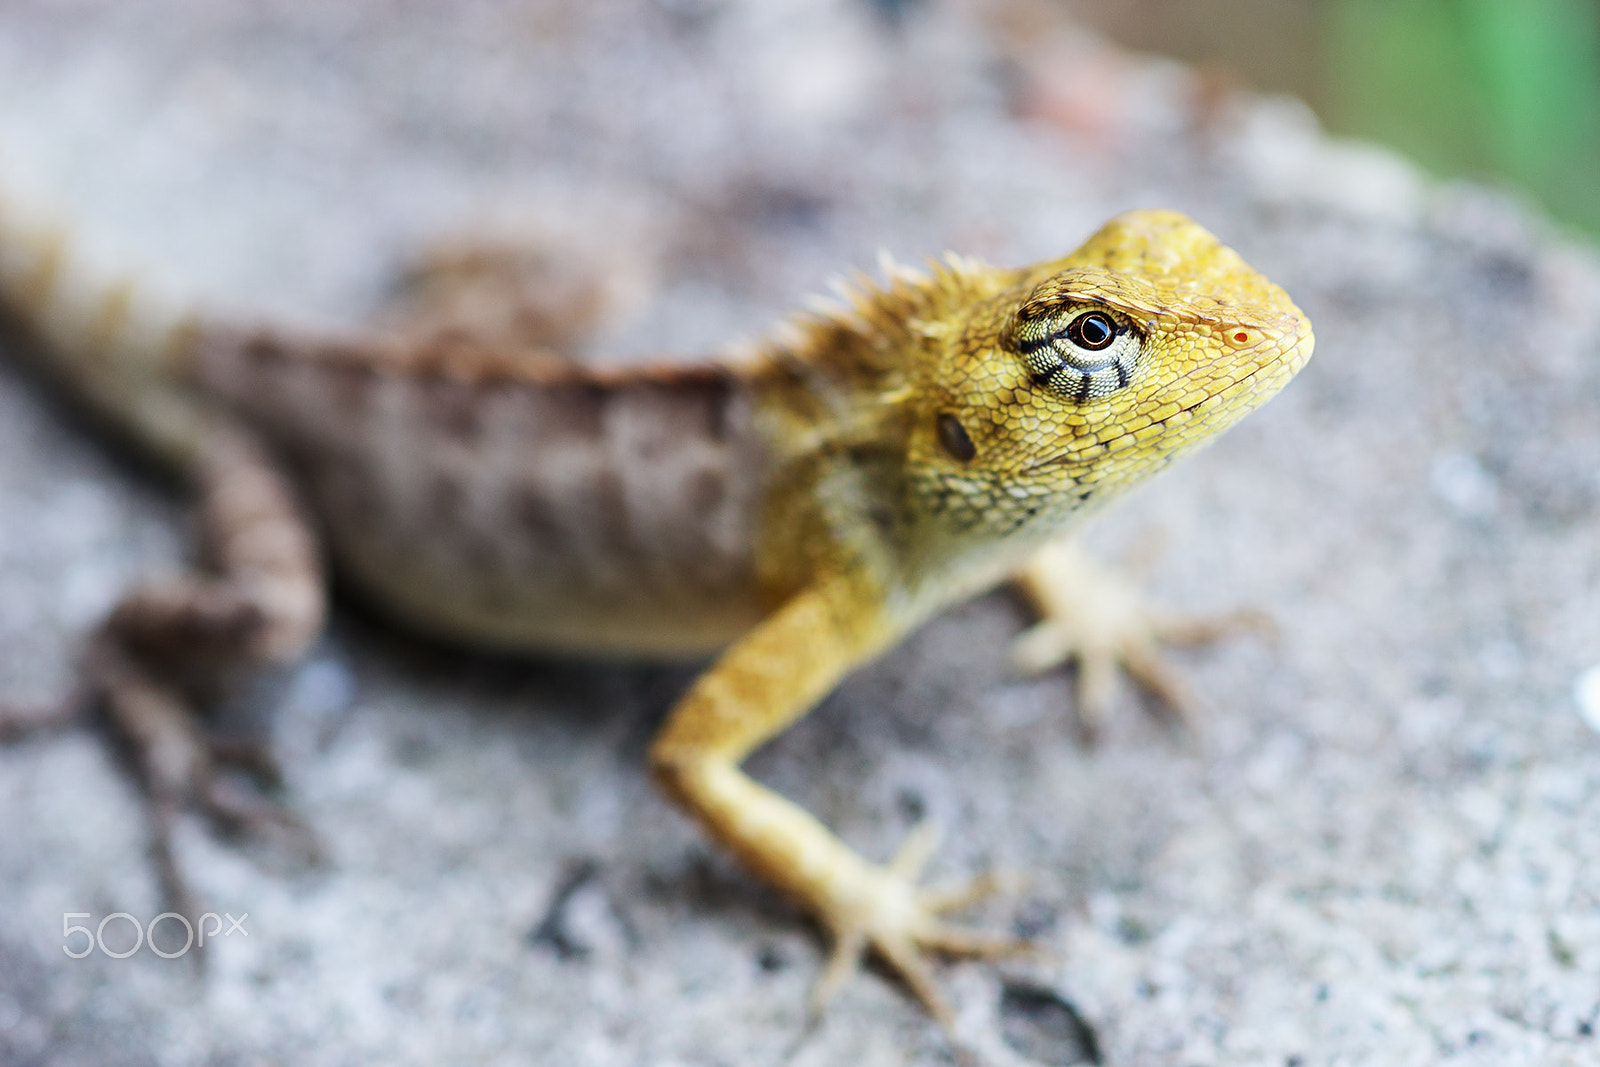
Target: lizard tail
point(116, 341)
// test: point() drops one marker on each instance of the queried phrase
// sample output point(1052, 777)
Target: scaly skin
point(810, 505)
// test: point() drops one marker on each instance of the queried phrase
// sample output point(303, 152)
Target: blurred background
point(1503, 90)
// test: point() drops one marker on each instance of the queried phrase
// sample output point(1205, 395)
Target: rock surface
point(1384, 848)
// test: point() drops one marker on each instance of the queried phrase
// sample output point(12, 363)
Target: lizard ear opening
point(953, 437)
point(1079, 352)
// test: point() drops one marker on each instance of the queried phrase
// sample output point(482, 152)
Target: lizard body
point(801, 509)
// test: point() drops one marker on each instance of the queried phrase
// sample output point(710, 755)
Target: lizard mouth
point(1292, 359)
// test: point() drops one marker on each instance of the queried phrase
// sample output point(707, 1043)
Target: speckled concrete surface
point(1385, 846)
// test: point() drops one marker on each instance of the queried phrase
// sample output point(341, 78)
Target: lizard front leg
point(1091, 615)
point(763, 683)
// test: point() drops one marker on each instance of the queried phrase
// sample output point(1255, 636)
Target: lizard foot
point(179, 767)
point(1091, 616)
point(19, 721)
point(884, 911)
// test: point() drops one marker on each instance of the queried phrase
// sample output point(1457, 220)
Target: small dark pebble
point(1042, 1026)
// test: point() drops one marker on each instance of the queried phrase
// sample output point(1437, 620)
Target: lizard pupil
point(953, 437)
point(1092, 330)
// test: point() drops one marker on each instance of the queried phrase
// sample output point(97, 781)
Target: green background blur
point(1504, 89)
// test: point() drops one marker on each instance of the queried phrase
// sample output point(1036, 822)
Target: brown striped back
point(515, 501)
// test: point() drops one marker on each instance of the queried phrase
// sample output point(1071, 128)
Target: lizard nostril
point(953, 436)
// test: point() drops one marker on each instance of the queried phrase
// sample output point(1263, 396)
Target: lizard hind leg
point(540, 294)
point(1092, 616)
point(169, 646)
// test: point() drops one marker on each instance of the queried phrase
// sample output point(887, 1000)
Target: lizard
point(796, 511)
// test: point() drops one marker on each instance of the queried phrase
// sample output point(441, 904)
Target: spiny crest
point(863, 317)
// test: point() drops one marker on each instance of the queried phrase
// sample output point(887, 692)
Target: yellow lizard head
point(1092, 373)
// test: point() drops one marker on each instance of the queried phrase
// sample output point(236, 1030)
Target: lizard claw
point(883, 910)
point(18, 721)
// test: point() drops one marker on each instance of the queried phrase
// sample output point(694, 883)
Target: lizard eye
point(1077, 353)
point(1092, 330)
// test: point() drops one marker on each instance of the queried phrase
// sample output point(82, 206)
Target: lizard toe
point(1094, 619)
point(886, 913)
